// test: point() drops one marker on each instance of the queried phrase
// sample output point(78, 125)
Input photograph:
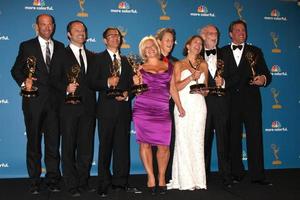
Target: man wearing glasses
point(113, 114)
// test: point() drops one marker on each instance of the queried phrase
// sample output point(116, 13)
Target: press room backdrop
point(273, 25)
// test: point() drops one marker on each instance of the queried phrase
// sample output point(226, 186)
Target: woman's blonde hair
point(142, 46)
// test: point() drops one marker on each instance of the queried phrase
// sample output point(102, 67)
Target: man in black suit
point(40, 113)
point(217, 119)
point(113, 114)
point(77, 115)
point(243, 86)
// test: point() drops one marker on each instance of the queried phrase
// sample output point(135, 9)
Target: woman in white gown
point(188, 170)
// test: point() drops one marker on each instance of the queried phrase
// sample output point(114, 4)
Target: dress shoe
point(133, 190)
point(74, 192)
point(262, 182)
point(54, 187)
point(236, 180)
point(102, 192)
point(227, 185)
point(34, 189)
point(86, 188)
point(152, 190)
point(162, 190)
point(126, 188)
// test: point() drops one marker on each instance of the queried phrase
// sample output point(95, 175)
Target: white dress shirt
point(75, 50)
point(237, 53)
point(43, 45)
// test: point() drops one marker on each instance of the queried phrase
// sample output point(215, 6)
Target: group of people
point(181, 125)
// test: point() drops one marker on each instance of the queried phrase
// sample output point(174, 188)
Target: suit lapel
point(71, 55)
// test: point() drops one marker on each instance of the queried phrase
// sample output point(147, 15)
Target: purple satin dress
point(151, 115)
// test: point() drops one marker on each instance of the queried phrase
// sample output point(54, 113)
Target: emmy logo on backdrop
point(30, 91)
point(275, 95)
point(252, 60)
point(135, 61)
point(124, 33)
point(275, 149)
point(82, 13)
point(163, 5)
point(239, 8)
point(275, 39)
point(72, 76)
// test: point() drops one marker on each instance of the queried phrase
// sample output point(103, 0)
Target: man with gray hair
point(217, 106)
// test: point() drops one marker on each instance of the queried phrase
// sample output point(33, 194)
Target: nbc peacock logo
point(202, 9)
point(276, 126)
point(125, 8)
point(123, 5)
point(276, 71)
point(275, 15)
point(38, 5)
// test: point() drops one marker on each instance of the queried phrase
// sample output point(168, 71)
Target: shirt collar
point(75, 48)
point(42, 41)
point(112, 54)
point(243, 44)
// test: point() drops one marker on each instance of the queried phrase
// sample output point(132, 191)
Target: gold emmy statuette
point(82, 13)
point(163, 6)
point(72, 76)
point(275, 149)
point(135, 62)
point(113, 91)
point(252, 60)
point(275, 39)
point(198, 87)
point(124, 33)
point(219, 73)
point(31, 67)
point(239, 8)
point(275, 95)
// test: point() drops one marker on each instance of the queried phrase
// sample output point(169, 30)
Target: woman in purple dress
point(151, 114)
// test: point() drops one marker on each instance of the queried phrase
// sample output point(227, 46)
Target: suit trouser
point(78, 130)
point(250, 117)
point(217, 122)
point(41, 120)
point(114, 135)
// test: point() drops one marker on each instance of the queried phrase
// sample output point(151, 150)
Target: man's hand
point(72, 87)
point(29, 83)
point(219, 81)
point(122, 98)
point(258, 80)
point(113, 81)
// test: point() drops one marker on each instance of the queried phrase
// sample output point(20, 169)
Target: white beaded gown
point(188, 170)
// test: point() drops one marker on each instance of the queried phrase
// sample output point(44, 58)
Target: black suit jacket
point(19, 70)
point(237, 77)
point(61, 66)
point(211, 80)
point(109, 107)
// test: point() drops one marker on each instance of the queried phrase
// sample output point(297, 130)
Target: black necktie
point(48, 54)
point(234, 47)
point(81, 62)
point(115, 62)
point(212, 51)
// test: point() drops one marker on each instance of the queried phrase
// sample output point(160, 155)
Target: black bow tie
point(212, 51)
point(237, 46)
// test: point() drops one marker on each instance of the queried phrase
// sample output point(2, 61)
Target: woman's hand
point(181, 111)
